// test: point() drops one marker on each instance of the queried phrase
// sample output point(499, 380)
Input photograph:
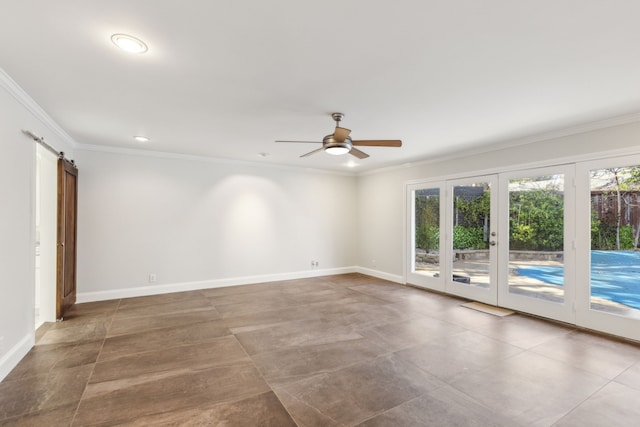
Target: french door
point(562, 242)
point(608, 244)
point(472, 238)
point(452, 238)
point(426, 219)
point(537, 254)
point(504, 239)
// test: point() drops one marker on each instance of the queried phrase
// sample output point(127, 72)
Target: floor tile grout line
point(473, 399)
point(493, 364)
point(334, 370)
point(263, 378)
point(564, 362)
point(271, 387)
point(75, 414)
point(399, 404)
point(163, 327)
point(70, 347)
point(306, 404)
point(637, 362)
point(384, 354)
point(502, 340)
point(573, 409)
point(142, 316)
point(569, 365)
point(206, 341)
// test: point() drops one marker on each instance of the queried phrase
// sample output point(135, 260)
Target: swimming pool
point(615, 276)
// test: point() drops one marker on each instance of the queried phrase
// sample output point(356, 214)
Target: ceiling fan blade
point(341, 134)
point(359, 154)
point(313, 152)
point(378, 143)
point(304, 142)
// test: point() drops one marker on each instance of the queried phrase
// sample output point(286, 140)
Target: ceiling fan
point(339, 142)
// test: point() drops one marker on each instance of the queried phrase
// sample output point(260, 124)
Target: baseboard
point(15, 355)
point(206, 284)
point(380, 274)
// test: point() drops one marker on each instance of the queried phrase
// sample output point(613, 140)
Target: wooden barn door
point(67, 226)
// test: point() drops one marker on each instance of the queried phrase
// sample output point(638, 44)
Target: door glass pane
point(536, 237)
point(427, 231)
point(615, 230)
point(471, 225)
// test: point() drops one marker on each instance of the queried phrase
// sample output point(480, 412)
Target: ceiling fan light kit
point(337, 150)
point(339, 142)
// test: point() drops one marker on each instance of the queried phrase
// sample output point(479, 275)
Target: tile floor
point(331, 351)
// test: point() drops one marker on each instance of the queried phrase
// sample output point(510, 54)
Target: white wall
point(17, 218)
point(197, 223)
point(381, 194)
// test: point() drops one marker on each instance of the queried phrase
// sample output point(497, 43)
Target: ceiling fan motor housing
point(329, 142)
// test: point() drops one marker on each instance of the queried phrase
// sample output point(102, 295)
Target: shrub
point(626, 237)
point(468, 238)
point(428, 237)
point(536, 220)
point(603, 236)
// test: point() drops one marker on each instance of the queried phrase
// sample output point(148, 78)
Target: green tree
point(536, 219)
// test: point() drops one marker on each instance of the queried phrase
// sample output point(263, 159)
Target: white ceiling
point(226, 78)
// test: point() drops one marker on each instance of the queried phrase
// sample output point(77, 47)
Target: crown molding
point(513, 143)
point(32, 106)
point(205, 159)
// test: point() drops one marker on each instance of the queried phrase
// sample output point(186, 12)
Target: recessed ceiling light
point(141, 138)
point(129, 43)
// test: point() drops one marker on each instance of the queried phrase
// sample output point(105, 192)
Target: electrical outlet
point(152, 277)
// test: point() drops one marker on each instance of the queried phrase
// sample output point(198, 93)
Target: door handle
point(492, 243)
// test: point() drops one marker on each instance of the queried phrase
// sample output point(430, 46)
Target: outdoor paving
point(477, 271)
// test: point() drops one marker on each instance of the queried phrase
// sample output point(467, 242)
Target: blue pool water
point(615, 276)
